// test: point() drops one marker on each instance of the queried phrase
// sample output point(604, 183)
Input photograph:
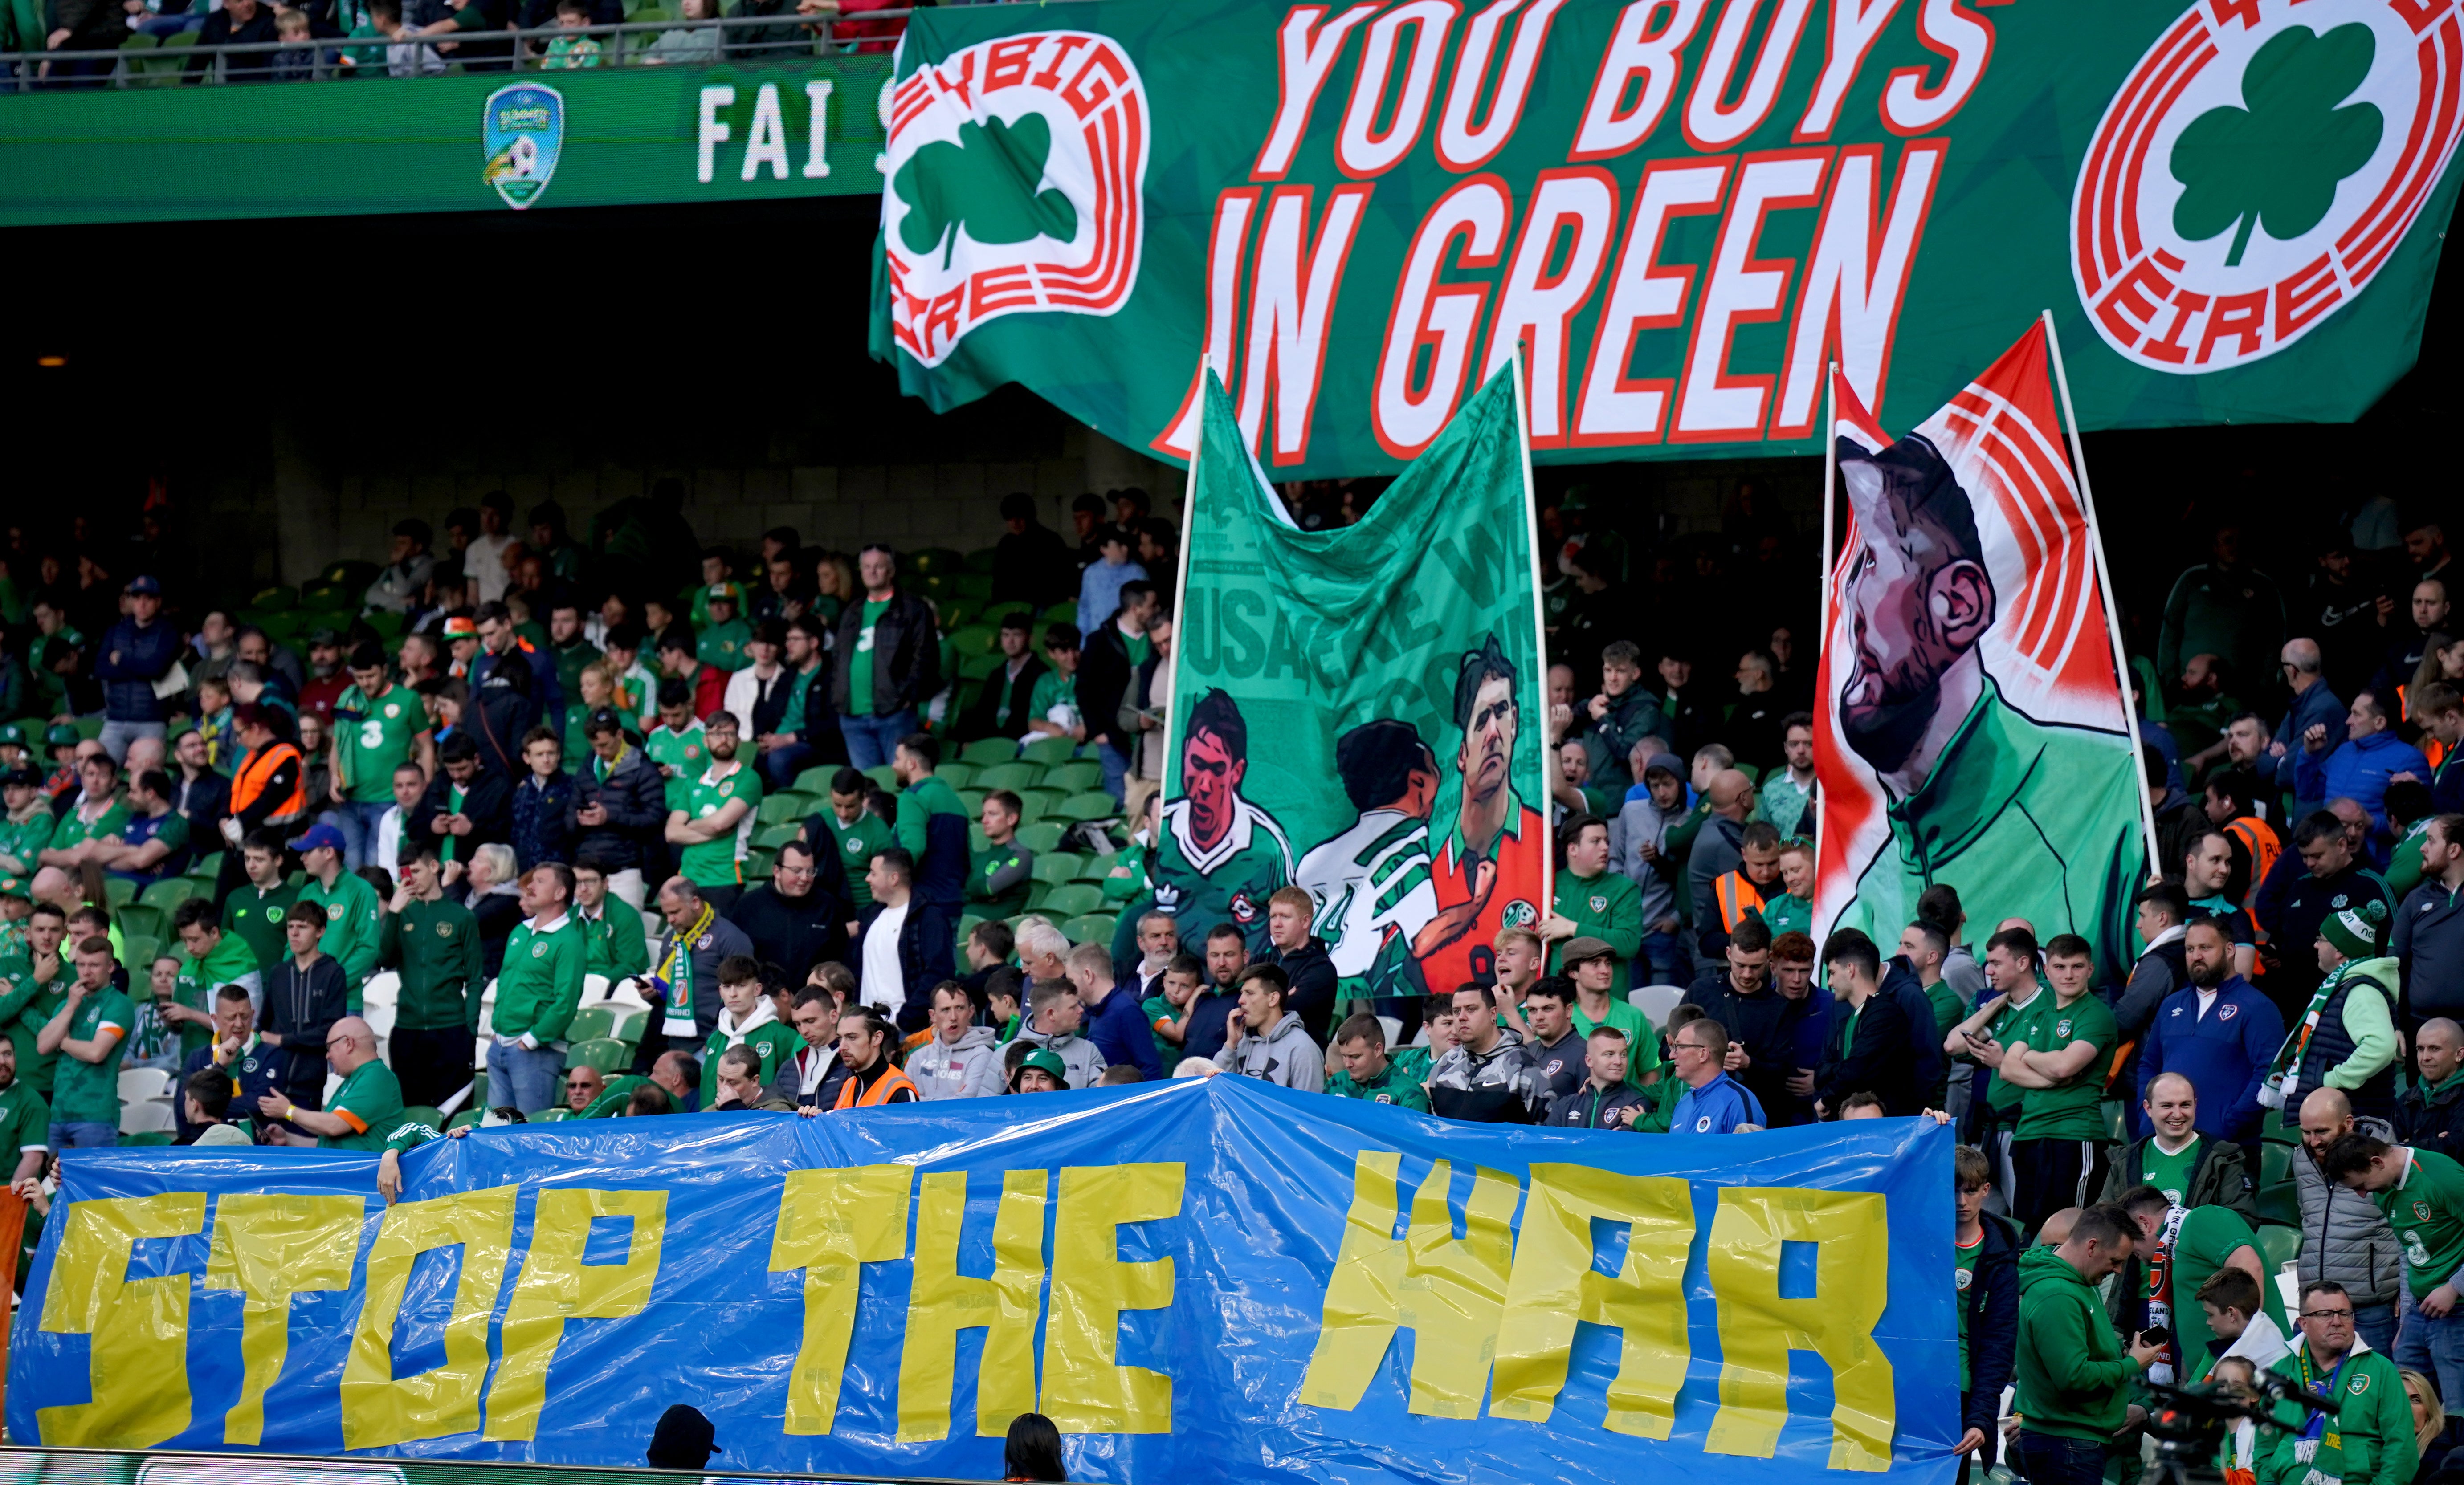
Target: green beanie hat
point(2356, 932)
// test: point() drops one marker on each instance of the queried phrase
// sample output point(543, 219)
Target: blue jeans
point(2375, 1324)
point(84, 1136)
point(2432, 1348)
point(1116, 767)
point(1664, 956)
point(528, 1081)
point(2047, 1460)
point(779, 766)
point(872, 740)
point(357, 820)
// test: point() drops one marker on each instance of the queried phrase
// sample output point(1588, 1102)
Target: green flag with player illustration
point(1358, 712)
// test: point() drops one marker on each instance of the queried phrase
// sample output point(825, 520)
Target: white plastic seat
point(138, 1084)
point(147, 1116)
point(1655, 1002)
point(1394, 1025)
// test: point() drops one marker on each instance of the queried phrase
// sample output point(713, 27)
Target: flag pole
point(2104, 583)
point(1188, 523)
point(1539, 629)
point(1822, 603)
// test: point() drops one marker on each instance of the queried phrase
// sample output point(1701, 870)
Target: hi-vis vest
point(1737, 897)
point(883, 1086)
point(2259, 839)
point(258, 768)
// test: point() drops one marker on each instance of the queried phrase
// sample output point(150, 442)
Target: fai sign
point(1015, 178)
point(2255, 171)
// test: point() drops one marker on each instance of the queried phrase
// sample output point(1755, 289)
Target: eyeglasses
point(2339, 1315)
point(1687, 1046)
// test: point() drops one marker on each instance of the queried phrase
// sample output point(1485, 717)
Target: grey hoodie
point(971, 1069)
point(1284, 1056)
point(1077, 1054)
point(1638, 822)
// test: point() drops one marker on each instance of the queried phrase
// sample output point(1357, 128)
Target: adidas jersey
point(1371, 885)
point(1229, 884)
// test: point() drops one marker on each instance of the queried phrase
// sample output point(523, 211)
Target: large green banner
point(631, 136)
point(1358, 712)
point(1683, 210)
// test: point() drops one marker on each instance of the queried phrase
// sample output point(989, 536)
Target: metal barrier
point(174, 63)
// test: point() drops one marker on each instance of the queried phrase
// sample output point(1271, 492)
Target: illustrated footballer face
point(1487, 740)
point(1209, 777)
point(1916, 604)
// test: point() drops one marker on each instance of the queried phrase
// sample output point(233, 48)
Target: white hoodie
point(970, 1068)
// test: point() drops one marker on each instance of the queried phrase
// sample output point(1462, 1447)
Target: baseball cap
point(1579, 950)
point(145, 586)
point(21, 777)
point(1667, 763)
point(323, 634)
point(11, 735)
point(461, 626)
point(60, 735)
point(327, 838)
point(726, 592)
point(1043, 1060)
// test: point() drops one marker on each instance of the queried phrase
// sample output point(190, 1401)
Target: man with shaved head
point(1718, 850)
point(2191, 1168)
point(2344, 1238)
point(2430, 1114)
point(2299, 667)
point(362, 1112)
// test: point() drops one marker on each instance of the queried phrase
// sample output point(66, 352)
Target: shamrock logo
point(2281, 156)
point(983, 185)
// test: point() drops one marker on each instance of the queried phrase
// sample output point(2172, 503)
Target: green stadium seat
point(464, 1119)
point(760, 863)
point(1098, 870)
point(782, 807)
point(2279, 1195)
point(883, 776)
point(984, 751)
point(1008, 775)
point(169, 894)
point(974, 800)
point(141, 950)
point(1059, 613)
point(816, 781)
point(1095, 804)
point(1035, 804)
point(1040, 837)
point(976, 667)
point(2273, 1130)
point(1072, 900)
point(976, 586)
point(207, 866)
point(1075, 776)
point(553, 1114)
point(606, 1054)
point(976, 639)
point(2278, 1246)
point(90, 729)
point(932, 561)
point(149, 1137)
point(769, 838)
point(423, 1114)
point(957, 776)
point(277, 600)
point(136, 918)
point(591, 1023)
point(352, 575)
point(981, 560)
point(976, 839)
point(119, 889)
point(954, 613)
point(630, 1023)
point(1048, 751)
point(1058, 866)
point(1094, 928)
point(2116, 1123)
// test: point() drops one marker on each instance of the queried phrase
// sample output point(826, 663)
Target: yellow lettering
point(269, 1247)
point(1450, 1291)
point(1758, 1328)
point(945, 1302)
point(1553, 1285)
point(139, 1356)
point(1084, 1391)
point(379, 1409)
point(556, 1286)
point(831, 1222)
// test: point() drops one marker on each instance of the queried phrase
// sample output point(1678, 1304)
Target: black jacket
point(906, 655)
point(301, 1007)
point(222, 29)
point(1313, 985)
point(488, 802)
point(1881, 1061)
point(1034, 566)
point(1992, 1301)
point(794, 934)
point(1104, 676)
point(2433, 1120)
point(204, 803)
point(1765, 1024)
point(636, 799)
point(979, 720)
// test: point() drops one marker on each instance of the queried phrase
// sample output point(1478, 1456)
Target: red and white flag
point(1970, 725)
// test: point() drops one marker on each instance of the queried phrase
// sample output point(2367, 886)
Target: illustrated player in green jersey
point(1371, 882)
point(1221, 856)
point(1977, 792)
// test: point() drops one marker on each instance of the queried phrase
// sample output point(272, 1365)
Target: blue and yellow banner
point(1208, 1279)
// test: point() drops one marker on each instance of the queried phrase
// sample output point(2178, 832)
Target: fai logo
point(1244, 908)
point(1518, 914)
point(2255, 171)
point(2227, 1012)
point(522, 130)
point(1017, 176)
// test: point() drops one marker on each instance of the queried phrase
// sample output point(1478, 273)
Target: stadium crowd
point(524, 826)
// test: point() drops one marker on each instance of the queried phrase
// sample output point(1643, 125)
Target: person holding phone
point(2179, 1250)
point(2075, 1376)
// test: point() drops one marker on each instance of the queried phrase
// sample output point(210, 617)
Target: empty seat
point(1655, 1002)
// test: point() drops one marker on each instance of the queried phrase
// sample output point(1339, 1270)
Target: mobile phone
point(2156, 1336)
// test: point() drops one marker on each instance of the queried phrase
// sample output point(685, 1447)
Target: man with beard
point(1977, 791)
point(1489, 869)
point(712, 826)
point(2220, 1032)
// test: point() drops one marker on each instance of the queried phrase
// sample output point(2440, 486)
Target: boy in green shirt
point(746, 1018)
point(1052, 706)
point(91, 1028)
point(676, 745)
point(1594, 902)
point(254, 910)
point(1167, 1012)
point(2058, 1148)
point(851, 827)
point(1003, 870)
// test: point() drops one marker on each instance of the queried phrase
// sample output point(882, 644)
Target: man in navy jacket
point(2220, 1032)
point(135, 653)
